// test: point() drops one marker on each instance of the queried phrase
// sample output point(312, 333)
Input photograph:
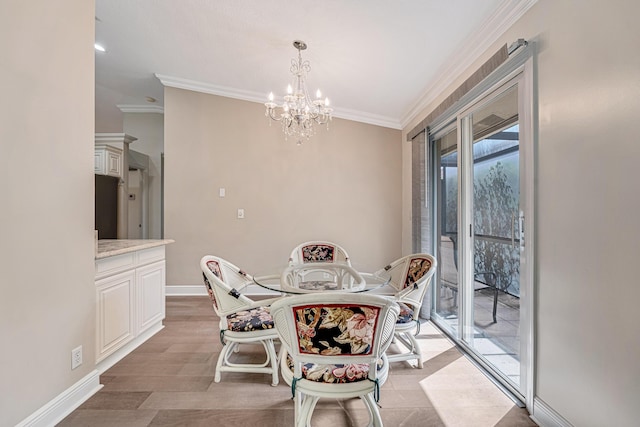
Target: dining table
point(324, 277)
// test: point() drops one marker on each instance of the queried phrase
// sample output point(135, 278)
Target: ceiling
point(378, 61)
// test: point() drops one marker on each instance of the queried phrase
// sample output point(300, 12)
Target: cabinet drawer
point(150, 255)
point(114, 264)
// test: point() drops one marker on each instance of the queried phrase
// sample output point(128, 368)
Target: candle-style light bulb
point(318, 94)
point(270, 96)
point(289, 90)
point(326, 102)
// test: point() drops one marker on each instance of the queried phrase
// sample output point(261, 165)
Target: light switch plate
point(222, 192)
point(241, 213)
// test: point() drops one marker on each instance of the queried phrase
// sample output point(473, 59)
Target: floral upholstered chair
point(316, 267)
point(410, 277)
point(242, 320)
point(333, 345)
point(318, 252)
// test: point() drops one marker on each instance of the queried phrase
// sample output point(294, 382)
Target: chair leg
point(270, 364)
point(374, 413)
point(273, 359)
point(221, 358)
point(312, 405)
point(409, 342)
point(415, 349)
point(297, 406)
point(303, 417)
point(495, 303)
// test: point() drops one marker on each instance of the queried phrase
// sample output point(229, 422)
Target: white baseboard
point(199, 290)
point(545, 416)
point(184, 291)
point(65, 403)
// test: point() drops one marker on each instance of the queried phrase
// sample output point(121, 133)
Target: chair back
point(223, 282)
point(318, 252)
point(411, 276)
point(335, 328)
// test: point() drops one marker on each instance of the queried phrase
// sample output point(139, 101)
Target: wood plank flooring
point(168, 381)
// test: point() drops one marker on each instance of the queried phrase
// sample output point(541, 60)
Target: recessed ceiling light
point(99, 48)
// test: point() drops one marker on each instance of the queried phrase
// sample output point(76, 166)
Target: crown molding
point(114, 138)
point(196, 86)
point(368, 118)
point(496, 25)
point(141, 108)
point(472, 48)
point(245, 95)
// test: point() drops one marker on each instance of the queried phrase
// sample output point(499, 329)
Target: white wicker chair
point(318, 252)
point(320, 259)
point(242, 320)
point(410, 277)
point(333, 346)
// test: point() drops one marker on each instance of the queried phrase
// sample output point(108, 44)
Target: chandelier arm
point(270, 113)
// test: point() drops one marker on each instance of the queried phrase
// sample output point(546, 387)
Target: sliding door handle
point(521, 229)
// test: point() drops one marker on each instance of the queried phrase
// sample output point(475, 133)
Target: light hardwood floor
point(168, 381)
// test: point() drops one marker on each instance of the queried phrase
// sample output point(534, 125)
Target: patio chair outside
point(482, 279)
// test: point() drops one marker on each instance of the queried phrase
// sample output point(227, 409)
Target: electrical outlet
point(76, 357)
point(241, 213)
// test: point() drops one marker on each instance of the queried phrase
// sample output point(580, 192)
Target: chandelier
point(299, 113)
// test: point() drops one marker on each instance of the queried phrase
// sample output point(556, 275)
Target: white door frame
point(521, 70)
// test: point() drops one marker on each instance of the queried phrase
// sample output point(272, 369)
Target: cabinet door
point(114, 163)
point(115, 313)
point(150, 295)
point(99, 162)
point(108, 161)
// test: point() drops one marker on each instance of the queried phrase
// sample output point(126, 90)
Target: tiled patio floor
point(498, 342)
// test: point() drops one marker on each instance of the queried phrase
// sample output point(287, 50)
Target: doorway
point(138, 196)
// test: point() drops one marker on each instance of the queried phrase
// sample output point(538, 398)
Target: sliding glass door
point(480, 197)
point(495, 242)
point(445, 167)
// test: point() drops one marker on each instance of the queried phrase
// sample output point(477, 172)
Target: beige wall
point(47, 306)
point(108, 117)
point(588, 338)
point(344, 186)
point(149, 129)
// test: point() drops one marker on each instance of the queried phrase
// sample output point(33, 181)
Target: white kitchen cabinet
point(108, 161)
point(115, 306)
point(150, 281)
point(130, 301)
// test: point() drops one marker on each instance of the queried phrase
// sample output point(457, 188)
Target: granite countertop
point(109, 247)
